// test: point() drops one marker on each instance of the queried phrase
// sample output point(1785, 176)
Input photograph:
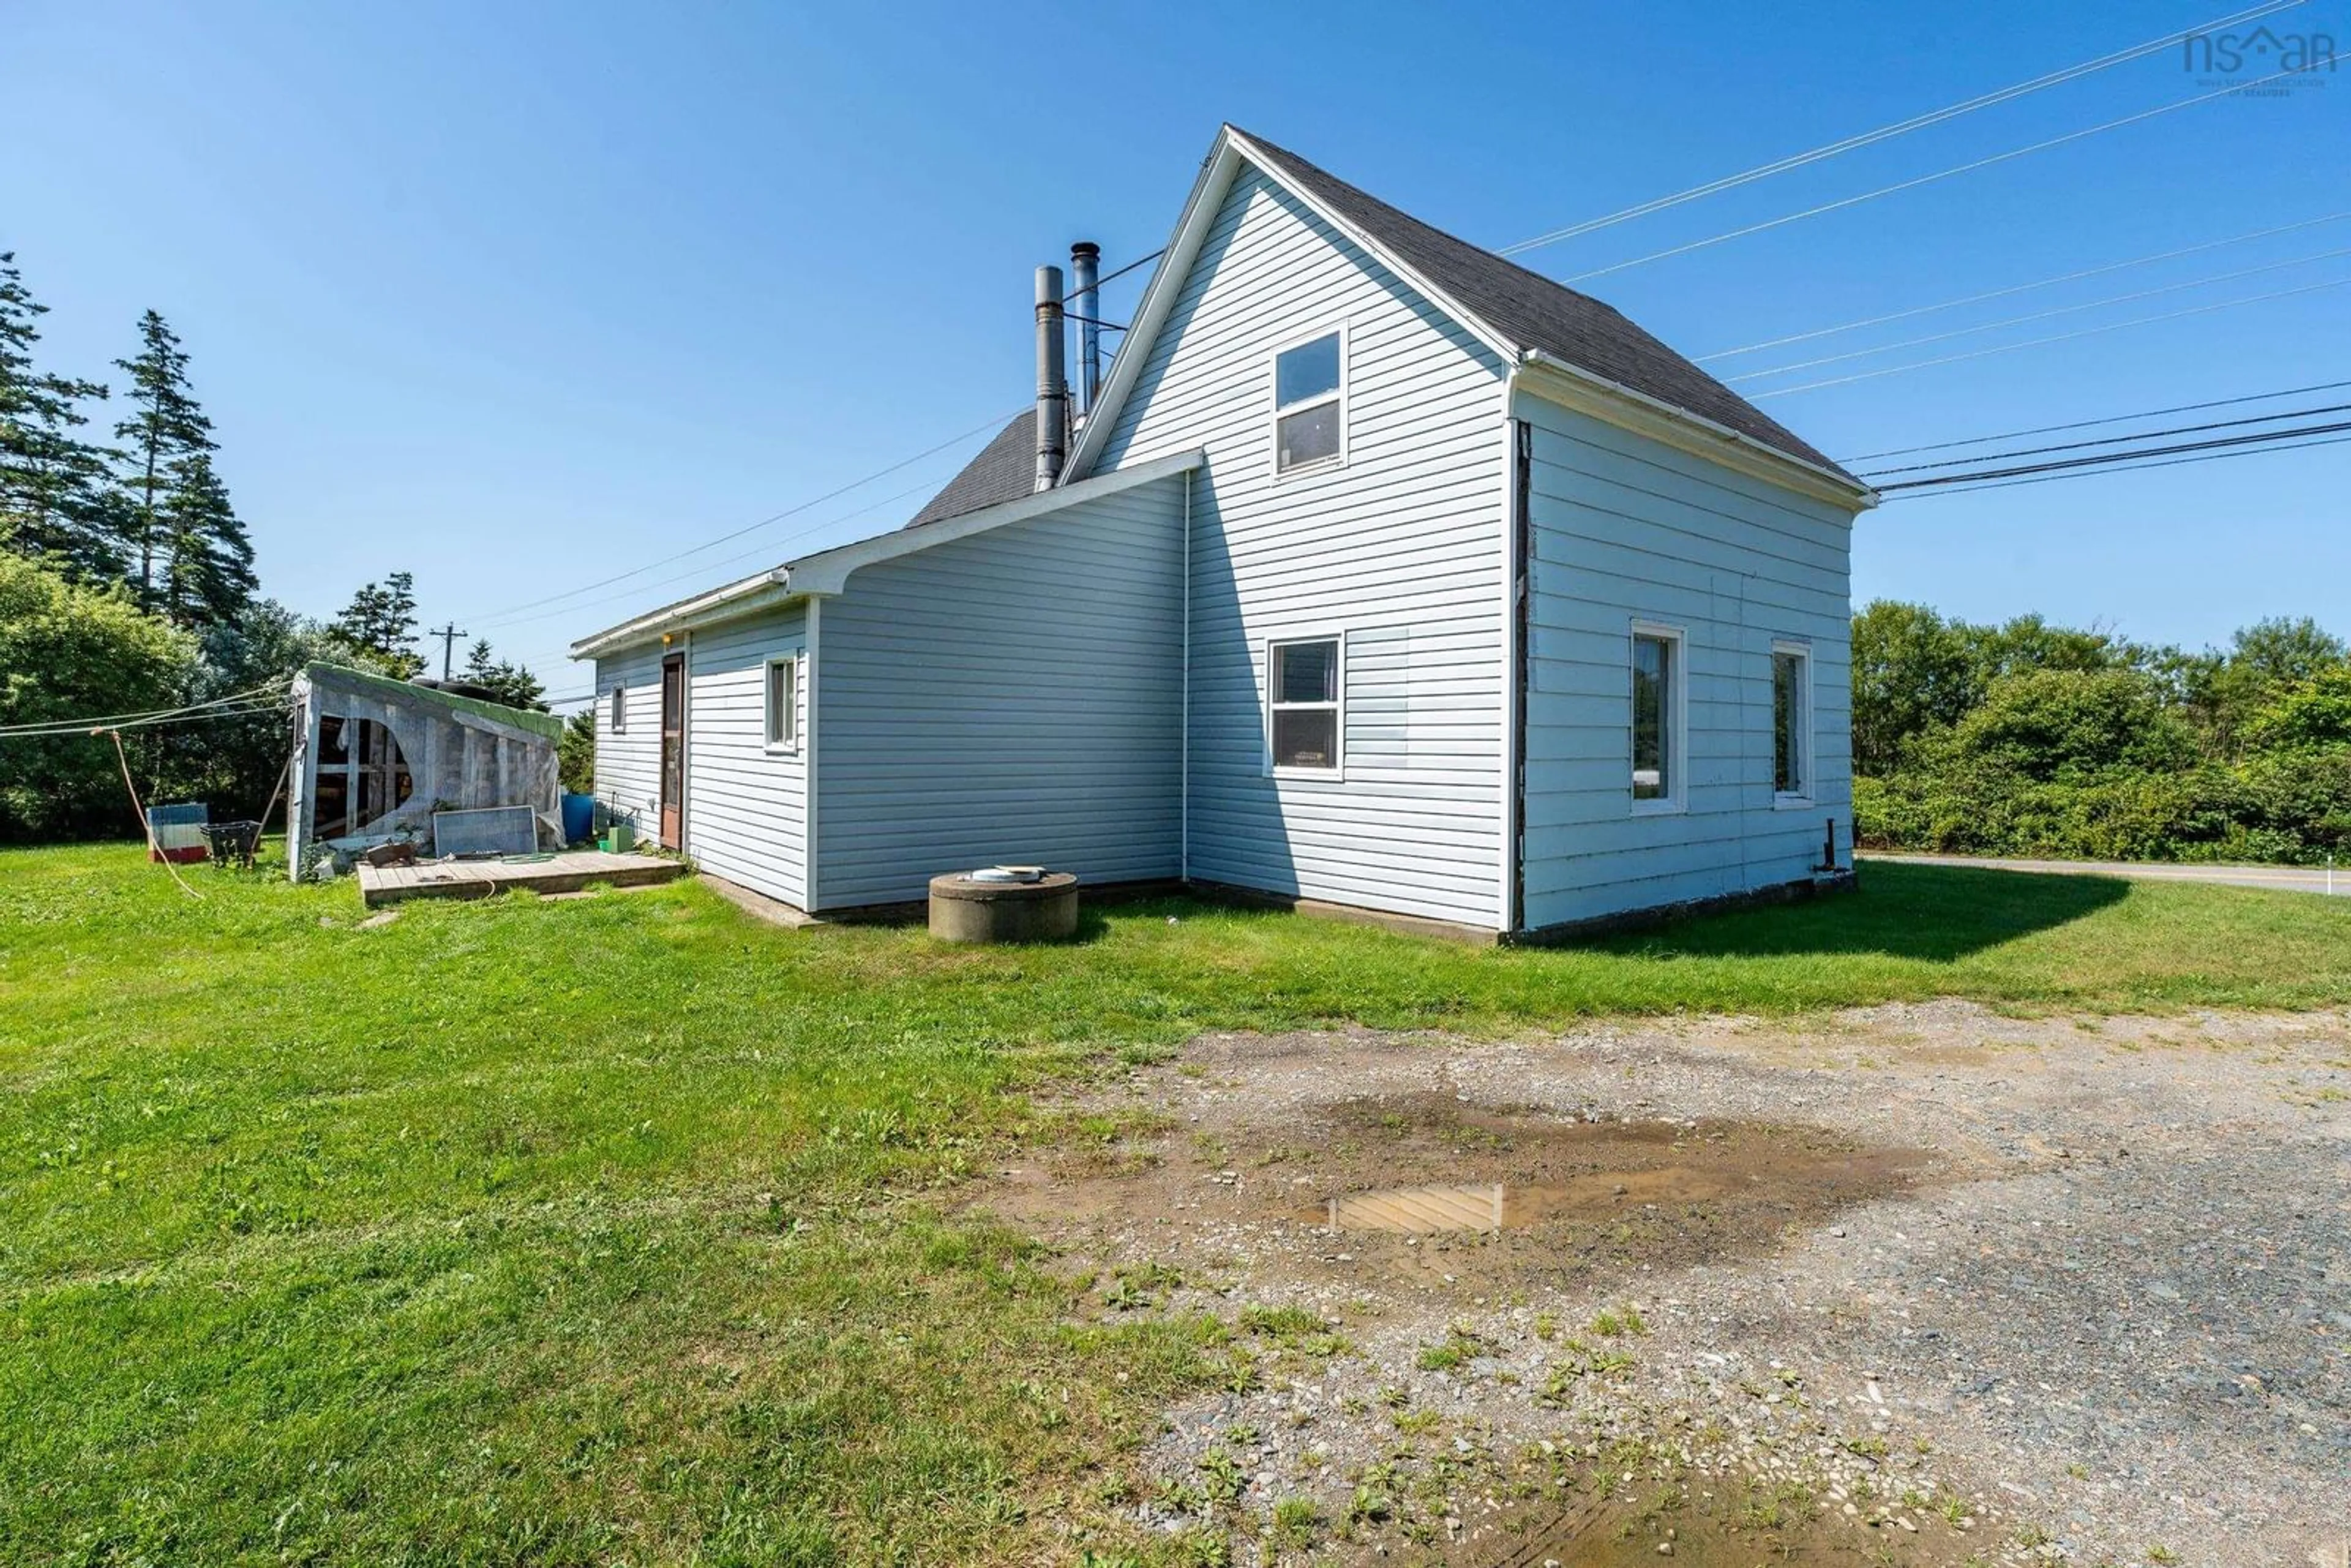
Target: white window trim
point(790, 745)
point(616, 709)
point(1275, 409)
point(1337, 773)
point(1676, 801)
point(1807, 749)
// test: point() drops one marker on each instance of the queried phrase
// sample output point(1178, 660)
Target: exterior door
point(673, 752)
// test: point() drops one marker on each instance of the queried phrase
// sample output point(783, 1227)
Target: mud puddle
point(1427, 1190)
point(1737, 1527)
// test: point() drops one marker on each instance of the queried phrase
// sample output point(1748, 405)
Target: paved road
point(2292, 879)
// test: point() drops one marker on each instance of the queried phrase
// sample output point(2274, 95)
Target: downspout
point(811, 674)
point(1183, 852)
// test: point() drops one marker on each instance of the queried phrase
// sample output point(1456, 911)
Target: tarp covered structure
point(378, 757)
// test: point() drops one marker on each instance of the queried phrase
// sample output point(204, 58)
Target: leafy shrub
point(68, 652)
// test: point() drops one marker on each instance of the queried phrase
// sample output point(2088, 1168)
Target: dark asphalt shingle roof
point(1525, 307)
point(1003, 470)
point(1535, 313)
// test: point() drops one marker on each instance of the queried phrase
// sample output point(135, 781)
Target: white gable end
point(1399, 548)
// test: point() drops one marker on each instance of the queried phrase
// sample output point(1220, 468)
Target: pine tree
point(509, 683)
point(208, 562)
point(165, 430)
point(381, 622)
point(55, 503)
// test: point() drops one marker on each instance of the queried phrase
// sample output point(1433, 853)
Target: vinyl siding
point(746, 806)
point(1401, 548)
point(1014, 696)
point(628, 764)
point(1627, 528)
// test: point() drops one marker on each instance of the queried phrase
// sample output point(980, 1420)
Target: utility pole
point(448, 636)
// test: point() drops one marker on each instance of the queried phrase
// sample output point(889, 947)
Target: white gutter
point(749, 593)
point(1860, 497)
point(829, 572)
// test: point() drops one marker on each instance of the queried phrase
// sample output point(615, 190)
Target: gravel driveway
point(1958, 1287)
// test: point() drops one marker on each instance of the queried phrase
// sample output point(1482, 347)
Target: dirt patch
point(1426, 1192)
point(1918, 1284)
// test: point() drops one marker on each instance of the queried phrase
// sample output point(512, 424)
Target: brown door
point(673, 762)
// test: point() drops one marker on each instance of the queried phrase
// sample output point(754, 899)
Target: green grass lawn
point(612, 1229)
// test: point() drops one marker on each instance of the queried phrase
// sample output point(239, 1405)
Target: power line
point(2054, 337)
point(2016, 288)
point(766, 551)
point(2258, 438)
point(86, 727)
point(1886, 132)
point(2123, 469)
point(2109, 419)
point(656, 564)
point(1939, 174)
point(109, 719)
point(2111, 440)
point(2041, 315)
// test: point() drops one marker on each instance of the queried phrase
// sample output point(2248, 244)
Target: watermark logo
point(2263, 61)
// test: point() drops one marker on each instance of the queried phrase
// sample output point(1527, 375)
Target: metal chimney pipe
point(1085, 262)
point(1052, 387)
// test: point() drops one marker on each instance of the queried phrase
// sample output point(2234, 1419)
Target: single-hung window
point(1792, 721)
point(619, 704)
point(1658, 689)
point(1309, 405)
point(1302, 692)
point(783, 703)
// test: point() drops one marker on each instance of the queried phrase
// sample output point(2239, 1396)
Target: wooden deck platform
point(565, 873)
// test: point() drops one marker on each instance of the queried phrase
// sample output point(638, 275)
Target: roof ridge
point(1542, 313)
point(1522, 269)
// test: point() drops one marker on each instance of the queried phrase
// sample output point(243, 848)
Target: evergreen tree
point(511, 683)
point(575, 754)
point(55, 504)
point(165, 430)
point(380, 623)
point(208, 560)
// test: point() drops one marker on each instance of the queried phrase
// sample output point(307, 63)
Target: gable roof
point(1521, 314)
point(1535, 313)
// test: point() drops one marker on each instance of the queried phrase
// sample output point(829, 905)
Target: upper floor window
point(619, 704)
point(1310, 403)
point(1302, 721)
point(1792, 722)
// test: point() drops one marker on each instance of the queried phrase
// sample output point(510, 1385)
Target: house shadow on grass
point(1933, 913)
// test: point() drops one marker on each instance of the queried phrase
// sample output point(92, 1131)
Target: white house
point(1380, 572)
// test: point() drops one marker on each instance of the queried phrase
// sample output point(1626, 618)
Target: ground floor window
point(783, 703)
point(1302, 685)
point(1657, 688)
point(1792, 721)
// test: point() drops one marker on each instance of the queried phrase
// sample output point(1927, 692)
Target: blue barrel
point(578, 818)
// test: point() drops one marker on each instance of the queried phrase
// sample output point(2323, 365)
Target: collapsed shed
point(375, 759)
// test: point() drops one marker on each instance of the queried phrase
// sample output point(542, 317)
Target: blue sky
point(518, 297)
